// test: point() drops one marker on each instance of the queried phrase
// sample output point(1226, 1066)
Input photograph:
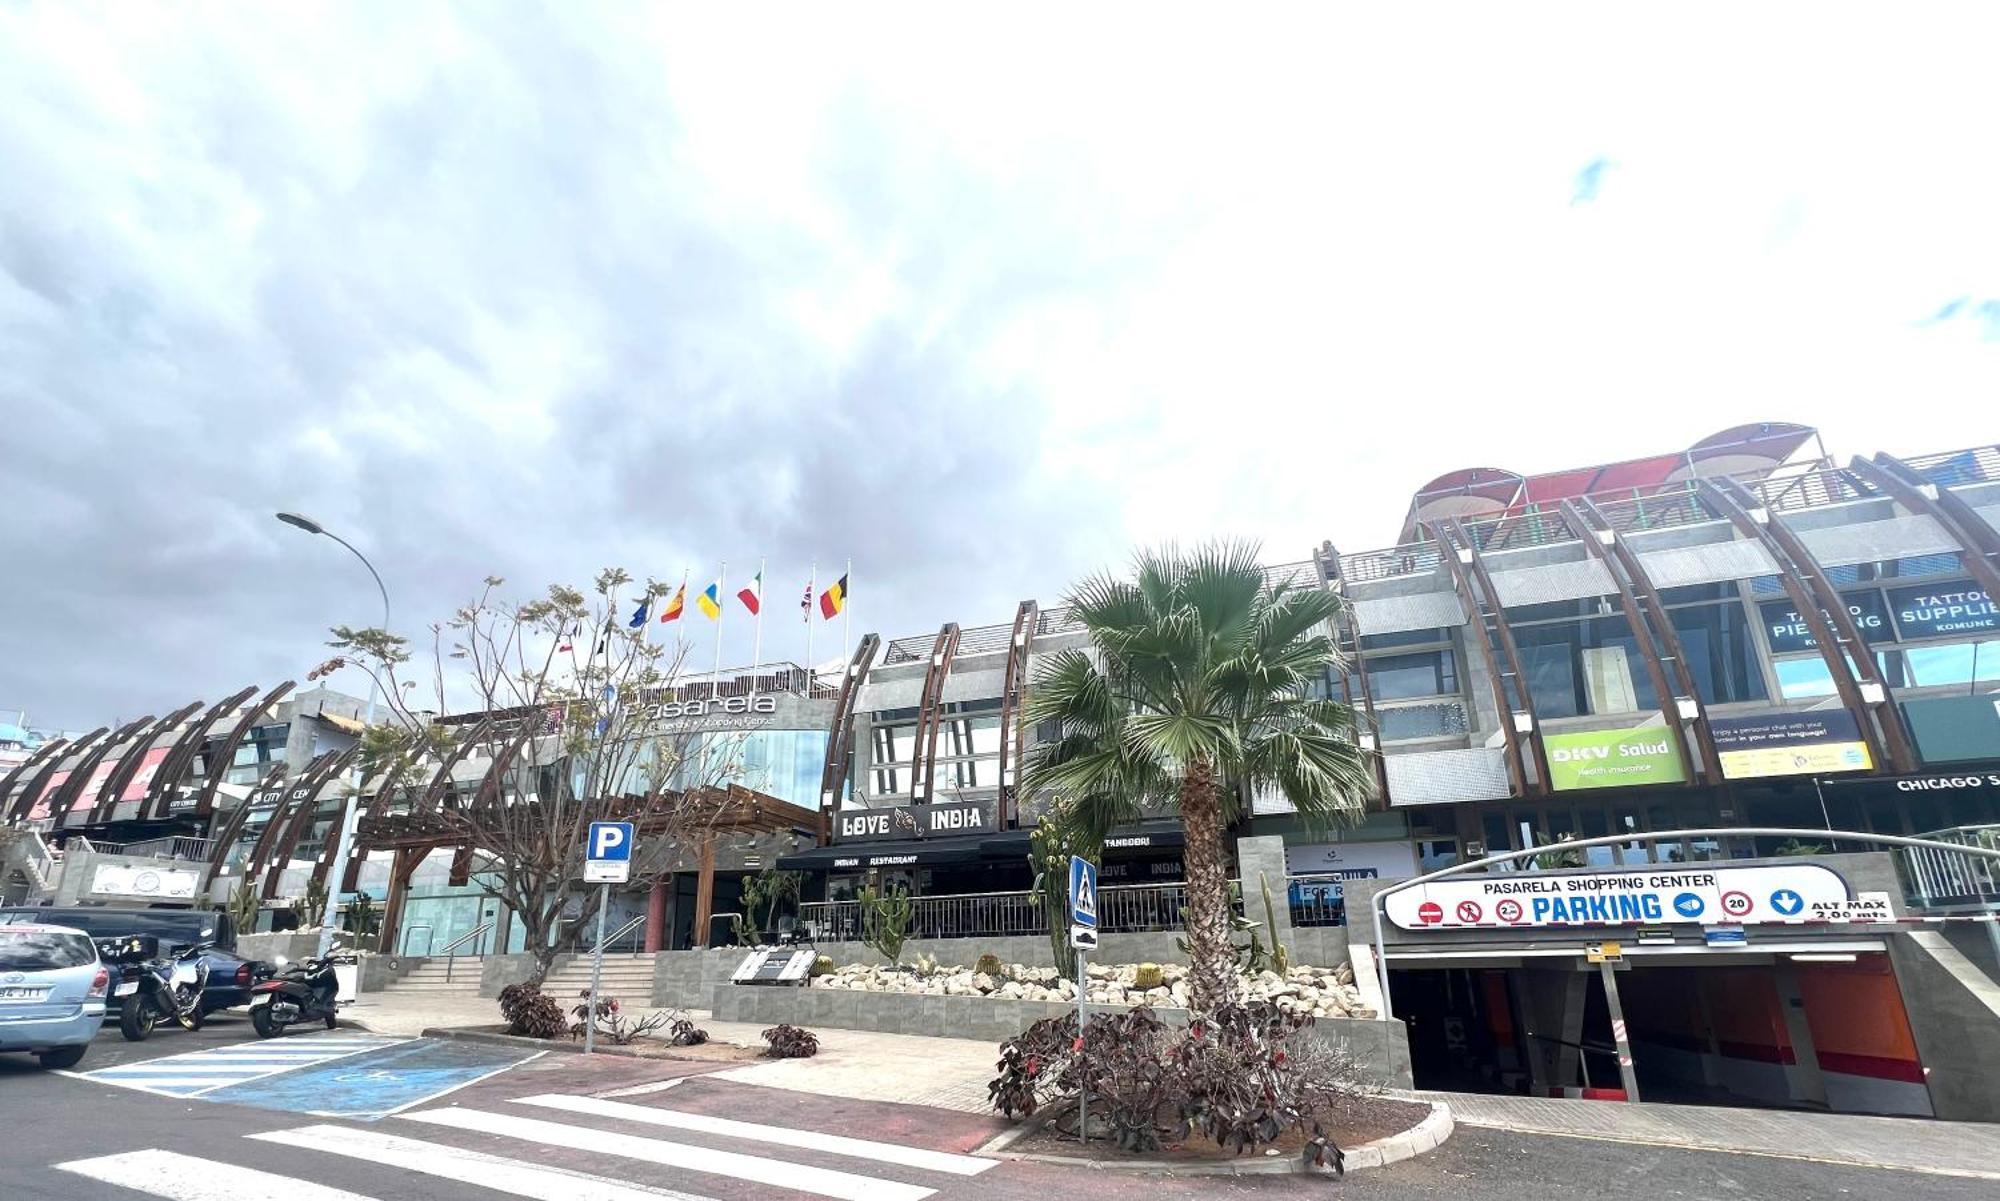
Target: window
point(1402, 677)
point(1803, 679)
point(1381, 642)
point(43, 951)
point(1580, 667)
point(1720, 652)
point(1960, 663)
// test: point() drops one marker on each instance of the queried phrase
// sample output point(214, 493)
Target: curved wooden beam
point(1669, 637)
point(1693, 769)
point(432, 800)
point(43, 753)
point(24, 808)
point(232, 826)
point(930, 713)
point(1328, 561)
point(1909, 489)
point(324, 867)
point(1832, 626)
point(130, 762)
point(1013, 695)
point(66, 797)
point(291, 792)
point(159, 794)
point(304, 812)
point(1466, 567)
point(839, 759)
point(225, 754)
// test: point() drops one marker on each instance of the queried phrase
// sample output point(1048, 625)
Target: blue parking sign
point(607, 854)
point(1082, 892)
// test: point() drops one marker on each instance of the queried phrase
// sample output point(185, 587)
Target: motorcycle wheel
point(332, 1021)
point(190, 1015)
point(136, 1018)
point(260, 1021)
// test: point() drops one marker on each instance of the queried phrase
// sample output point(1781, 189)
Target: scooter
point(152, 986)
point(300, 992)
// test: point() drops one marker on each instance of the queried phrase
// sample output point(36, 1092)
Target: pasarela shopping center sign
point(1800, 892)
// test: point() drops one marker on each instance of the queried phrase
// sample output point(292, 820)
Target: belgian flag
point(834, 599)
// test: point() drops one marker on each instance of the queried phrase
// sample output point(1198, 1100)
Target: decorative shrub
point(790, 1042)
point(531, 1012)
point(684, 1033)
point(1239, 1078)
point(1149, 976)
point(989, 964)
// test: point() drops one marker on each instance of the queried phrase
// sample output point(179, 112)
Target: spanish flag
point(710, 601)
point(834, 599)
point(673, 610)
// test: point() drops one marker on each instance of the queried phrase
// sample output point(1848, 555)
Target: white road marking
point(193, 1073)
point(179, 1177)
point(537, 1181)
point(845, 1186)
point(834, 1144)
point(641, 1090)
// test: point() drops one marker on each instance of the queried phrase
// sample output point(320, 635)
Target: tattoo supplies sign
point(1613, 758)
point(1936, 610)
point(1792, 892)
point(1789, 744)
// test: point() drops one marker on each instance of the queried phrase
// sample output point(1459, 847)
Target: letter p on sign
point(608, 853)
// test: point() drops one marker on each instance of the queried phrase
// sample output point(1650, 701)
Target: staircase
point(430, 976)
point(627, 977)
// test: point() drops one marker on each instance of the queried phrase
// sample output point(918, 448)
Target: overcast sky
point(532, 290)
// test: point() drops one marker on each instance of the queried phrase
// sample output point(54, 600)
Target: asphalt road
point(416, 1118)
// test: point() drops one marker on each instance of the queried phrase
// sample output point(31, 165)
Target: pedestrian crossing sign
point(1082, 892)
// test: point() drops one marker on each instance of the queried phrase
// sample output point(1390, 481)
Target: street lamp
point(353, 811)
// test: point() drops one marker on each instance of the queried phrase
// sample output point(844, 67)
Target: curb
point(1424, 1136)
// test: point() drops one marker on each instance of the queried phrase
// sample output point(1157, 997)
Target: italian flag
point(752, 594)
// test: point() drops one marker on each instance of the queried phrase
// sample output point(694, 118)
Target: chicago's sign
point(1790, 892)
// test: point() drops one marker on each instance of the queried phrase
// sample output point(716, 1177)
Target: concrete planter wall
point(1380, 1046)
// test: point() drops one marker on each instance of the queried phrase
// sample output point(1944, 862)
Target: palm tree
point(1198, 689)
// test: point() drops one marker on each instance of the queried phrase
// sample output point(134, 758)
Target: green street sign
point(1613, 759)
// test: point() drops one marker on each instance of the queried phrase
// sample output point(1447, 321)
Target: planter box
point(1381, 1047)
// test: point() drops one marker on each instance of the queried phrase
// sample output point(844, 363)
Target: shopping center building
point(1744, 634)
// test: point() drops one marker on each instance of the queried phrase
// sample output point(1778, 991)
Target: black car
point(229, 975)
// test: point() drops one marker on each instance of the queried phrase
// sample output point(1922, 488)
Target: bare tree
point(555, 697)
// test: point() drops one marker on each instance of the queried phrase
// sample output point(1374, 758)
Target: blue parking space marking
point(197, 1073)
point(378, 1083)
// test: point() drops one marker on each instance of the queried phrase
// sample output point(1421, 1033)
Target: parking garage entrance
point(1817, 1025)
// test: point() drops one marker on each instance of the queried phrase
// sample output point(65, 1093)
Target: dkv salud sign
point(1800, 892)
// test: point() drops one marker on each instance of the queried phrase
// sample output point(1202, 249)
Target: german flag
point(834, 599)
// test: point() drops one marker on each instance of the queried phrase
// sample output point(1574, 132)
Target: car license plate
point(23, 992)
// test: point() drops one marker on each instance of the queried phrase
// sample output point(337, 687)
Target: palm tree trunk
point(1212, 978)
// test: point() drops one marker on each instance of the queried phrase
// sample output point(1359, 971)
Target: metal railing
point(174, 847)
point(450, 949)
point(1934, 878)
point(1317, 900)
point(41, 864)
point(1121, 909)
point(1976, 464)
point(632, 924)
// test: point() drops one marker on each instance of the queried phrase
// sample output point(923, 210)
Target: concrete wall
point(498, 971)
point(1380, 1046)
point(267, 947)
point(1954, 1020)
point(79, 871)
point(683, 978)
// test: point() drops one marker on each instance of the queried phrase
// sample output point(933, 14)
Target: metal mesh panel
point(1433, 777)
point(1553, 582)
point(1395, 614)
point(1873, 541)
point(1709, 563)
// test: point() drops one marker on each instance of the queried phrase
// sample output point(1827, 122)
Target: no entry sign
point(1792, 892)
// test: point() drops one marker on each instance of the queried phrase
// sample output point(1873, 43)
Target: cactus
point(822, 966)
point(1149, 976)
point(988, 964)
point(1281, 956)
point(885, 922)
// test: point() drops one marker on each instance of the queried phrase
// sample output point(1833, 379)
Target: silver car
point(52, 991)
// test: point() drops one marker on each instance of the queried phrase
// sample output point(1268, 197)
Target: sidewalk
point(1914, 1144)
point(946, 1073)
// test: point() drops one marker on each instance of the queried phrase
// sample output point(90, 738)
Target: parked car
point(229, 974)
point(52, 991)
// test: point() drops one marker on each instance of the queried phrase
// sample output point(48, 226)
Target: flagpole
point(757, 645)
point(721, 586)
point(846, 610)
point(812, 598)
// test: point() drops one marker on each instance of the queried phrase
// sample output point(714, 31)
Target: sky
point(979, 302)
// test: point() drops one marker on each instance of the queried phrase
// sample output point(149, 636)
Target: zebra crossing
point(197, 1072)
point(616, 1151)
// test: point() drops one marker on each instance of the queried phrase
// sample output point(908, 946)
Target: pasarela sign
point(1643, 896)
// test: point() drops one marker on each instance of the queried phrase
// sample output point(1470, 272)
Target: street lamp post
point(353, 811)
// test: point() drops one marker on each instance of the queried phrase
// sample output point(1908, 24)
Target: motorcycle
point(151, 986)
point(300, 992)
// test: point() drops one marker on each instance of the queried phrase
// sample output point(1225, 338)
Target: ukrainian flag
point(710, 601)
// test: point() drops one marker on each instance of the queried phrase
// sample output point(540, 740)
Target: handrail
point(622, 931)
point(451, 960)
